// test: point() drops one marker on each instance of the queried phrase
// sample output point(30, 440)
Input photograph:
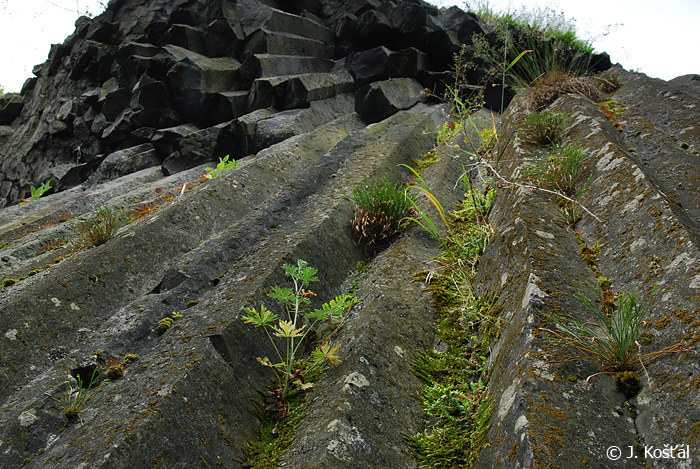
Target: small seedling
point(75, 400)
point(115, 368)
point(36, 193)
point(224, 164)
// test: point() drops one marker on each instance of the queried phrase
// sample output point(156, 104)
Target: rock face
point(312, 97)
point(648, 230)
point(123, 79)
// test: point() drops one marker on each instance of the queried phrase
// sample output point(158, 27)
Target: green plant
point(224, 164)
point(78, 398)
point(380, 207)
point(455, 394)
point(24, 461)
point(613, 342)
point(572, 207)
point(292, 330)
point(100, 227)
point(114, 372)
point(608, 80)
point(164, 324)
point(612, 109)
point(481, 201)
point(9, 282)
point(559, 171)
point(427, 223)
point(545, 128)
point(37, 192)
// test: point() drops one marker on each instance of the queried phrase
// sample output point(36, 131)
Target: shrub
point(380, 207)
point(559, 171)
point(544, 128)
point(100, 227)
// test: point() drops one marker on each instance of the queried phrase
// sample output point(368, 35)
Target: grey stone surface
point(544, 416)
point(381, 99)
point(274, 85)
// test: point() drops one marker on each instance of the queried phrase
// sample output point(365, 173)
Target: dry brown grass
point(374, 229)
point(547, 88)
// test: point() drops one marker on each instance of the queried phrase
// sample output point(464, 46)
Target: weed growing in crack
point(558, 171)
point(481, 200)
point(76, 397)
point(223, 165)
point(425, 221)
point(293, 330)
point(545, 89)
point(380, 208)
point(608, 80)
point(99, 228)
point(612, 343)
point(544, 128)
point(571, 208)
point(284, 406)
point(454, 394)
point(36, 192)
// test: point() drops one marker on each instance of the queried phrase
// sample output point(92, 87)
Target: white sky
point(661, 39)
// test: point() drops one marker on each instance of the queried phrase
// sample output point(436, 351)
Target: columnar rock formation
point(312, 97)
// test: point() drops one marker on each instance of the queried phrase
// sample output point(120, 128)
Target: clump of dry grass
point(374, 229)
point(380, 207)
point(547, 88)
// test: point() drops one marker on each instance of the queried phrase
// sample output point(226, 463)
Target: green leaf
point(287, 329)
point(335, 307)
point(515, 61)
point(261, 318)
point(283, 295)
point(331, 354)
point(301, 272)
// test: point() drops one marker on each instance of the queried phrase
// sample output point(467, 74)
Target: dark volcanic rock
point(313, 98)
point(380, 100)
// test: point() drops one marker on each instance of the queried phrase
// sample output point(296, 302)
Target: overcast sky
point(661, 39)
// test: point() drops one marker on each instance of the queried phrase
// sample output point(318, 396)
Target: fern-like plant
point(291, 327)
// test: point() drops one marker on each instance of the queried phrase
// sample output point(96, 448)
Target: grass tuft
point(544, 128)
point(612, 342)
point(380, 208)
point(100, 227)
point(558, 171)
